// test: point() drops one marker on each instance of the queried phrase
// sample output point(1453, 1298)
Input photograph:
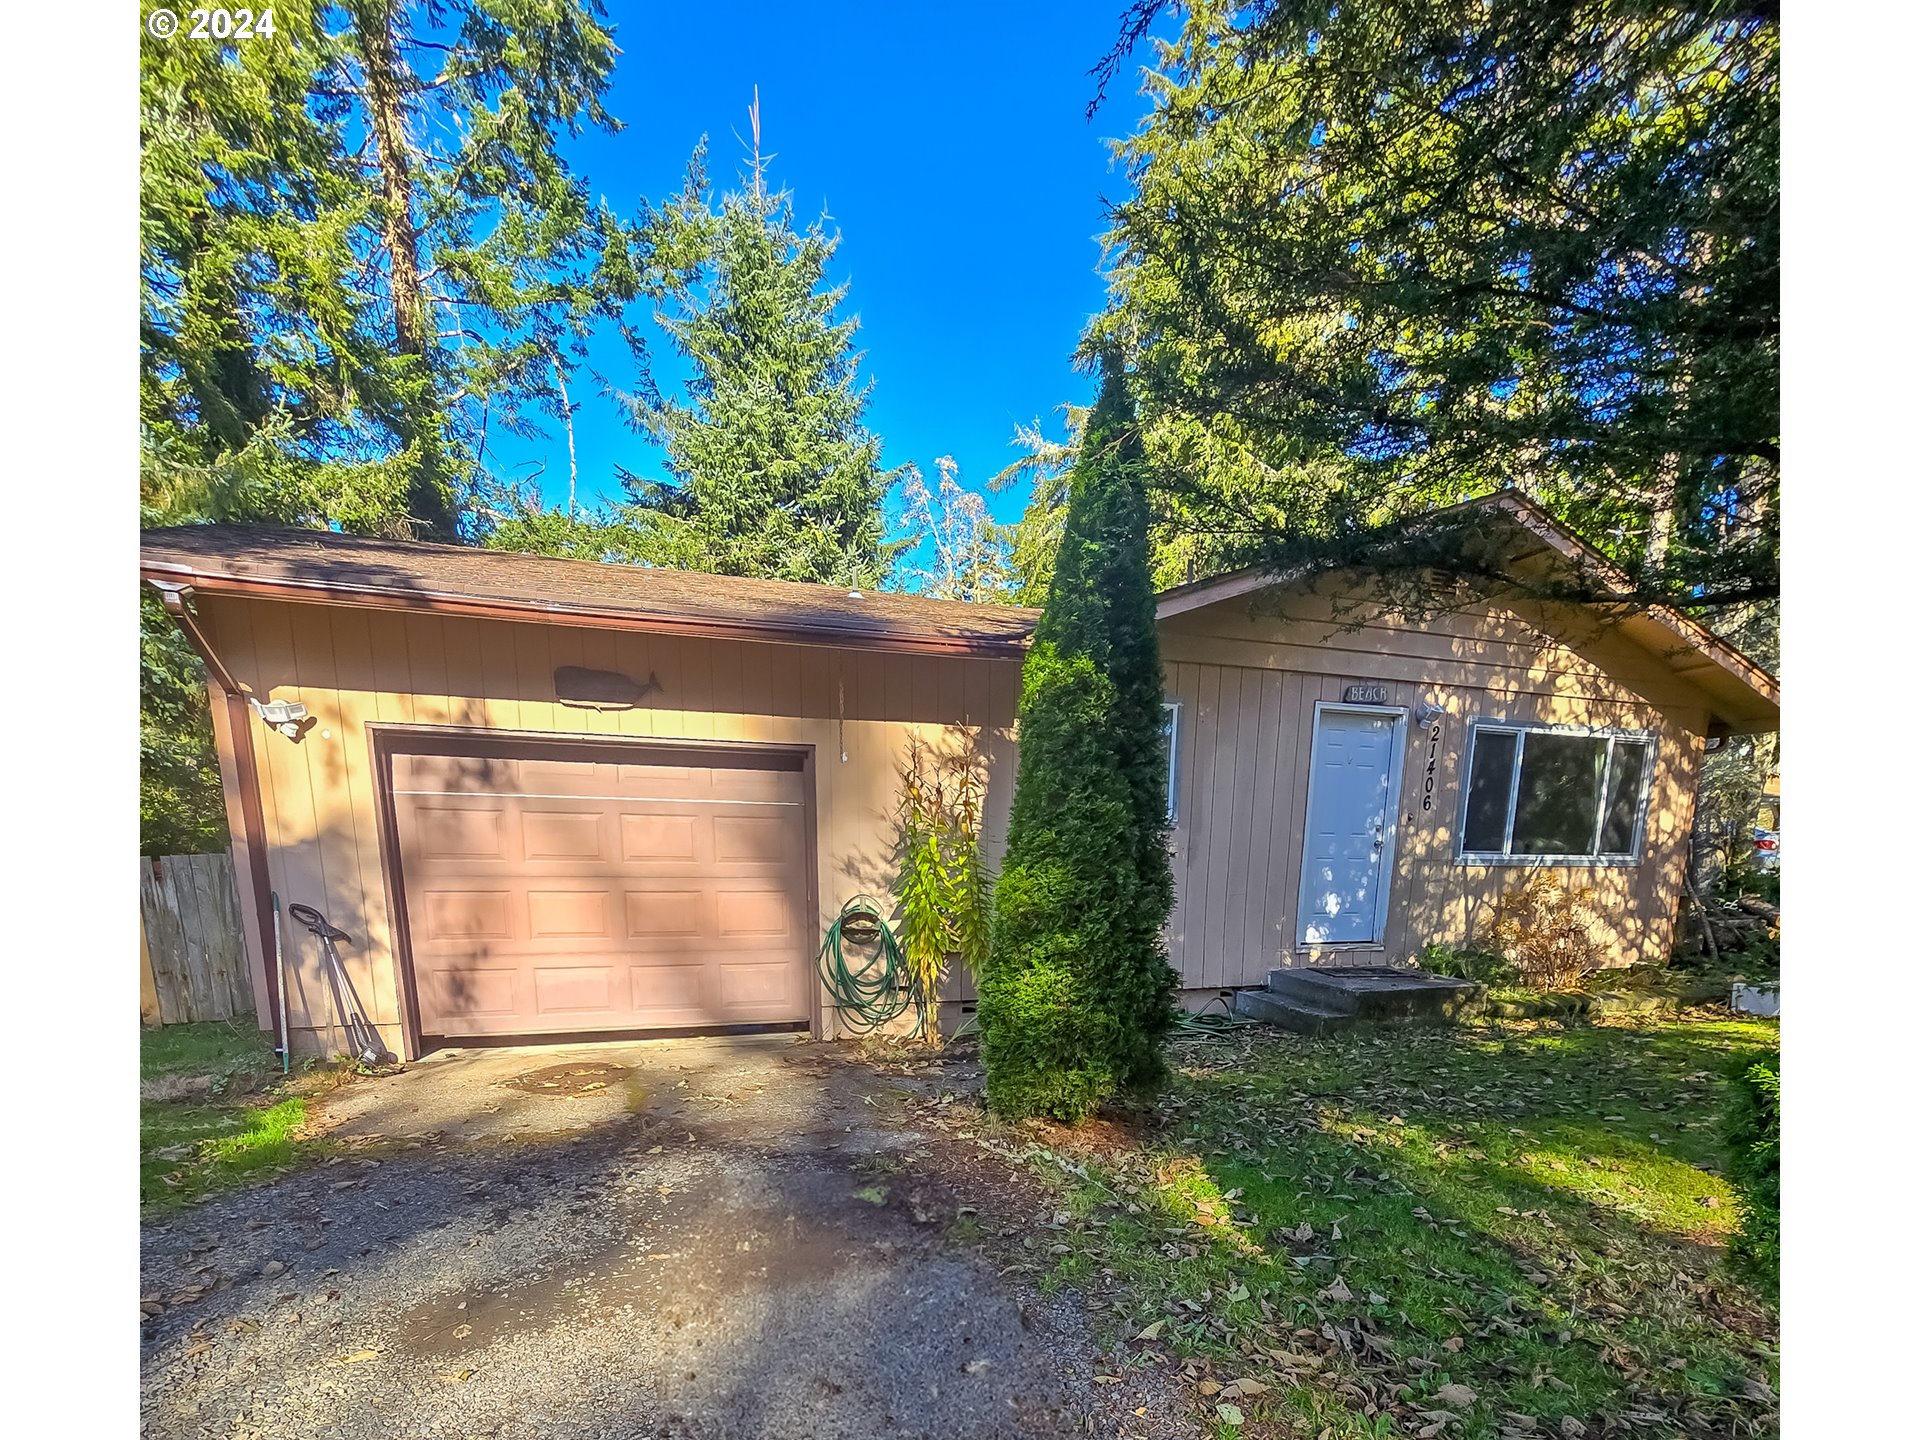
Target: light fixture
point(1427, 711)
point(289, 717)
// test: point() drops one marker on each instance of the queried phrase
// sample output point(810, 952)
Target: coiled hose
point(876, 989)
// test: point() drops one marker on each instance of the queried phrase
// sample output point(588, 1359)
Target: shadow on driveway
point(672, 1239)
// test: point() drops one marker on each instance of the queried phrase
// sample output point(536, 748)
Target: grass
point(1462, 1233)
point(217, 1049)
point(213, 1111)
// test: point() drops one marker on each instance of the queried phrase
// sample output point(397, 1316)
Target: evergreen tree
point(772, 471)
point(1384, 256)
point(360, 249)
point(1077, 994)
point(1033, 541)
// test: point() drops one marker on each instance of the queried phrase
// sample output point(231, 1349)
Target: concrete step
point(1307, 987)
point(1297, 1015)
point(1379, 994)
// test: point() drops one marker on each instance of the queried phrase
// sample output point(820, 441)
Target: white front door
point(1348, 857)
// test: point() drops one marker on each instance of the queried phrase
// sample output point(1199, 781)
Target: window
point(1170, 732)
point(1537, 793)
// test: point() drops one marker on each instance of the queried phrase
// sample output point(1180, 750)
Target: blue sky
point(949, 147)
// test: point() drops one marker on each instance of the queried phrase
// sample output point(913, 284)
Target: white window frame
point(1633, 855)
point(1170, 710)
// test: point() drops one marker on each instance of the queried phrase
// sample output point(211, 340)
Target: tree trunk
point(386, 116)
point(1660, 522)
point(387, 84)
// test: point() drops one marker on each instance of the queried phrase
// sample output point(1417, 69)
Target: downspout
point(174, 596)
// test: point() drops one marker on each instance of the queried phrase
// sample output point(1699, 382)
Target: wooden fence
point(193, 960)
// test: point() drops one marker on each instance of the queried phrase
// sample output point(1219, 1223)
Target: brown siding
point(1247, 685)
point(356, 667)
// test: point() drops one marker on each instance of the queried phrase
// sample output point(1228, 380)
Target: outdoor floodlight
point(289, 717)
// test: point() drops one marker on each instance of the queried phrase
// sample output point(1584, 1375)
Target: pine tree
point(772, 471)
point(1384, 256)
point(361, 251)
point(1077, 995)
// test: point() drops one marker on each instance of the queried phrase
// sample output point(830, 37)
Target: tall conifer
point(1076, 997)
point(772, 471)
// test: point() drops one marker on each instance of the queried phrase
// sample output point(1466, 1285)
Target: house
point(555, 798)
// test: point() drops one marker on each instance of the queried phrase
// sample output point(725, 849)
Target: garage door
point(555, 890)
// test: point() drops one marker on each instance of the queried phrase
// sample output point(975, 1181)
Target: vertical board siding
point(1247, 686)
point(1240, 833)
point(354, 668)
point(1266, 753)
point(1248, 681)
point(193, 954)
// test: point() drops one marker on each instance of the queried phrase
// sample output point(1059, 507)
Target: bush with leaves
point(1466, 963)
point(1751, 1130)
point(943, 886)
point(1077, 996)
point(1547, 932)
point(181, 809)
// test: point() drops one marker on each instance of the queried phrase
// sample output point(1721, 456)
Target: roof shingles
point(320, 565)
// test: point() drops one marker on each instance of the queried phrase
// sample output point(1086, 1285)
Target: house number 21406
point(1433, 767)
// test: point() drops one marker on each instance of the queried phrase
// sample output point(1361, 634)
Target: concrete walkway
point(673, 1239)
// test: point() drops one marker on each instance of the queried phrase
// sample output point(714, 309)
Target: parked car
point(1766, 850)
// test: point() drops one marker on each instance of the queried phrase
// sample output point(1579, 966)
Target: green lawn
point(1474, 1232)
point(212, 1111)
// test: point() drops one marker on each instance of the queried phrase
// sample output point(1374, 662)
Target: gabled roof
point(1745, 697)
point(321, 566)
point(329, 568)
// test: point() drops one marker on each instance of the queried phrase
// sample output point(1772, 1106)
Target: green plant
point(942, 884)
point(203, 1127)
point(1463, 962)
point(1545, 931)
point(1751, 1129)
point(1076, 998)
point(1741, 878)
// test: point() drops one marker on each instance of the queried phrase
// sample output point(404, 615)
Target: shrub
point(1751, 1130)
point(1546, 932)
point(1466, 963)
point(1076, 998)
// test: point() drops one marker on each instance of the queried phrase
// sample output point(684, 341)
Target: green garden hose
point(872, 991)
point(1199, 1025)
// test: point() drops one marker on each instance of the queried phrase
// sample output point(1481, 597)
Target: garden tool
point(368, 1048)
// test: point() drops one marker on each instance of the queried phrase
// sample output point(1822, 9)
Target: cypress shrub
point(1751, 1129)
point(1076, 997)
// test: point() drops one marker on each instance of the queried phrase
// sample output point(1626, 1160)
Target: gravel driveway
point(677, 1239)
